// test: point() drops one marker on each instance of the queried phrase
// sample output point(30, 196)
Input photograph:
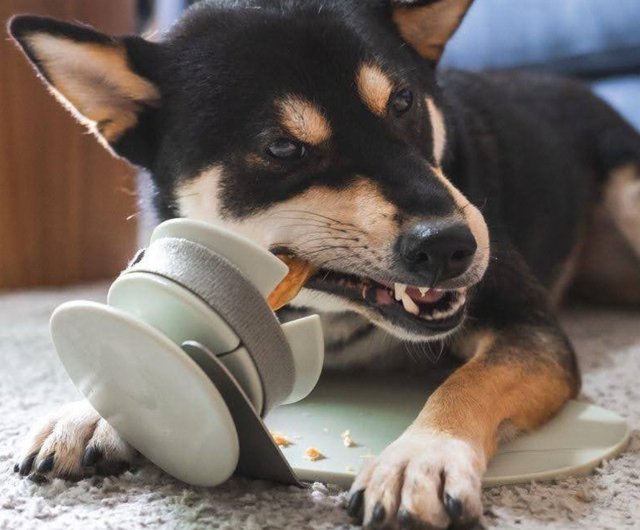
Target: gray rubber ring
point(224, 288)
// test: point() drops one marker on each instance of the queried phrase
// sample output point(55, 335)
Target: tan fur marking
point(254, 160)
point(507, 432)
point(374, 87)
point(304, 120)
point(608, 268)
point(428, 28)
point(439, 131)
point(95, 82)
point(475, 401)
point(198, 197)
point(474, 342)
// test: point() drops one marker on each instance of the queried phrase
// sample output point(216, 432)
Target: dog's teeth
point(423, 290)
point(459, 302)
point(399, 289)
point(409, 305)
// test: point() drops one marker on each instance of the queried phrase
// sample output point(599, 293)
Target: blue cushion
point(590, 37)
point(622, 93)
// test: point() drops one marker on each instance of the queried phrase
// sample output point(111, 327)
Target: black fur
point(532, 151)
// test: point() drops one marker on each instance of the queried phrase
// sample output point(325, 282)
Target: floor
point(32, 382)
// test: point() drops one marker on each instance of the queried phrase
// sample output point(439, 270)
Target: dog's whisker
point(310, 253)
point(310, 237)
point(326, 262)
point(305, 249)
point(308, 222)
point(335, 221)
point(310, 226)
point(316, 214)
point(411, 353)
point(439, 355)
point(332, 238)
point(314, 223)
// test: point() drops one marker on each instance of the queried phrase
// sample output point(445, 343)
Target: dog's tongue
point(383, 297)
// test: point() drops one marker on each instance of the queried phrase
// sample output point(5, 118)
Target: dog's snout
point(438, 252)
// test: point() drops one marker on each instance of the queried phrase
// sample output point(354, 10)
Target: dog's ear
point(427, 25)
point(95, 77)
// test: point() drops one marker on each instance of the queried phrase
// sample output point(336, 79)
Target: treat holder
point(186, 358)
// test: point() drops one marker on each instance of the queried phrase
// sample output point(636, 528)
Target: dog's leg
point(622, 201)
point(72, 443)
point(521, 372)
point(609, 268)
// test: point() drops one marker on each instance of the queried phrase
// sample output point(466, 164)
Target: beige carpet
point(32, 383)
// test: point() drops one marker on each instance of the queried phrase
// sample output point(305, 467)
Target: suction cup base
point(377, 409)
point(149, 390)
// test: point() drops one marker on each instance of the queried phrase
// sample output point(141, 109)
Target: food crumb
point(583, 496)
point(347, 440)
point(349, 469)
point(280, 439)
point(313, 454)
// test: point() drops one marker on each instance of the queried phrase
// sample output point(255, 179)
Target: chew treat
point(347, 440)
point(313, 454)
point(299, 273)
point(280, 439)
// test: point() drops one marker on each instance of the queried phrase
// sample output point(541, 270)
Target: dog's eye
point(402, 101)
point(284, 149)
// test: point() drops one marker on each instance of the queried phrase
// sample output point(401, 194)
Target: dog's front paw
point(422, 480)
point(73, 443)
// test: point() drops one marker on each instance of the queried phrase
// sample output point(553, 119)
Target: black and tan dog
point(447, 208)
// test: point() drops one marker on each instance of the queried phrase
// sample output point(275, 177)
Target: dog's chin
point(410, 313)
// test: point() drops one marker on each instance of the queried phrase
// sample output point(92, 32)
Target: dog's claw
point(378, 514)
point(46, 465)
point(424, 480)
point(405, 519)
point(355, 505)
point(16, 468)
point(106, 468)
point(91, 456)
point(473, 525)
point(84, 445)
point(27, 464)
point(453, 507)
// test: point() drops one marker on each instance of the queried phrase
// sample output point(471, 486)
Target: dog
point(440, 208)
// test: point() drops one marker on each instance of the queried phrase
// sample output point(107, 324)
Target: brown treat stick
point(299, 273)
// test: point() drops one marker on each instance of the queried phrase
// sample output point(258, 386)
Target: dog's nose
point(438, 252)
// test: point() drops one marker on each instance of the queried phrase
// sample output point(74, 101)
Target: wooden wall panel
point(65, 202)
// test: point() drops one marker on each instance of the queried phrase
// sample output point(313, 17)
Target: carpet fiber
point(32, 383)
